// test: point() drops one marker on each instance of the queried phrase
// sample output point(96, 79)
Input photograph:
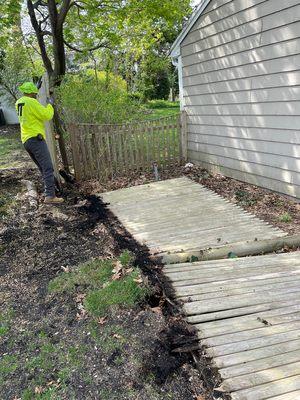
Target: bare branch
point(39, 3)
point(46, 33)
point(39, 36)
point(99, 46)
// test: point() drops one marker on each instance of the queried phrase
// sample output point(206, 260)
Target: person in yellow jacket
point(32, 116)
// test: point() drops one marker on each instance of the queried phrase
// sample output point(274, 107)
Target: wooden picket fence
point(106, 151)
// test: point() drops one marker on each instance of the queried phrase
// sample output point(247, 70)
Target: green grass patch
point(93, 275)
point(160, 104)
point(108, 337)
point(8, 145)
point(10, 149)
point(125, 293)
point(286, 218)
point(6, 202)
point(5, 322)
point(55, 360)
point(8, 365)
point(102, 292)
point(161, 108)
point(52, 393)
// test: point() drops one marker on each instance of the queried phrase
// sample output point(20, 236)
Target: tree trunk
point(57, 72)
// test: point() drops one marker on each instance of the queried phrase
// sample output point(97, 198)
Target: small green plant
point(245, 198)
point(286, 218)
point(126, 258)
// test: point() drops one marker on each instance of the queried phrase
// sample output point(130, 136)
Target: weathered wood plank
point(242, 292)
point(262, 364)
point(241, 311)
point(268, 390)
point(251, 334)
point(233, 265)
point(237, 360)
point(261, 377)
point(256, 343)
point(295, 395)
point(285, 259)
point(247, 324)
point(180, 280)
point(221, 291)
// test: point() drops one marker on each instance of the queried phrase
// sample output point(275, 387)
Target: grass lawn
point(8, 145)
point(12, 153)
point(161, 108)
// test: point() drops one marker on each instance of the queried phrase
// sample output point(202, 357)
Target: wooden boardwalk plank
point(261, 364)
point(268, 390)
point(261, 353)
point(256, 343)
point(264, 376)
point(240, 311)
point(295, 395)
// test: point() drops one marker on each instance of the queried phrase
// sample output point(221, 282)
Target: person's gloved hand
point(50, 100)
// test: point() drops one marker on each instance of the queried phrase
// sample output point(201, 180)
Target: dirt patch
point(47, 350)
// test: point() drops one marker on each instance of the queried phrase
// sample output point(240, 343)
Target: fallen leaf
point(118, 267)
point(81, 316)
point(116, 336)
point(128, 271)
point(66, 269)
point(81, 203)
point(117, 276)
point(80, 297)
point(38, 390)
point(138, 280)
point(102, 321)
point(200, 397)
point(156, 310)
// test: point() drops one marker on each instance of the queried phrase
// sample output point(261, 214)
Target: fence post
point(183, 136)
point(72, 129)
point(43, 94)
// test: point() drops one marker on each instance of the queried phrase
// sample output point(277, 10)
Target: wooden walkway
point(179, 214)
point(246, 311)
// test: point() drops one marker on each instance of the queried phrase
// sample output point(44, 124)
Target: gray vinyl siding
point(241, 90)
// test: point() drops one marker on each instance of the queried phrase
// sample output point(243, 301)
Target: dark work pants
point(38, 151)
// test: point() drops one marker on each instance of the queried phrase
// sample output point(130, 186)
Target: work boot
point(53, 200)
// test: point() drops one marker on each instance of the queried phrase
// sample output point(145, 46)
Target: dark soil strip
point(179, 333)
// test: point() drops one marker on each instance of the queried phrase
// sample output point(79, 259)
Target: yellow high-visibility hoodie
point(32, 116)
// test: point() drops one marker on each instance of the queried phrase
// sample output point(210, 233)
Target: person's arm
point(41, 112)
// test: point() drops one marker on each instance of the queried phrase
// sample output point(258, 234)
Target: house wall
point(241, 90)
